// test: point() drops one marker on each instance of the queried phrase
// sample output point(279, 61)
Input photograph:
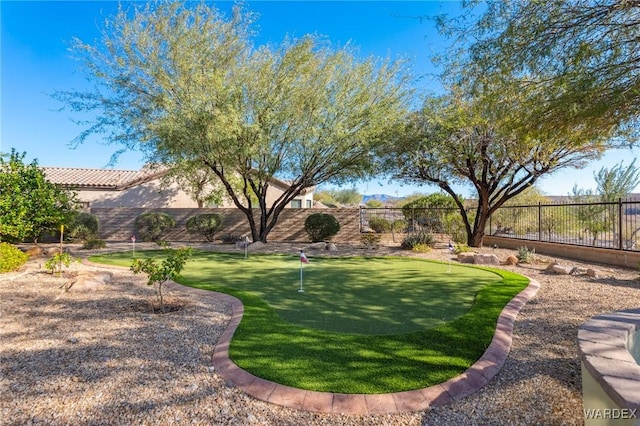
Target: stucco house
point(106, 188)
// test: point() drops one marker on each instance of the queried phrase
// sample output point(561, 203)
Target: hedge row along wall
point(118, 224)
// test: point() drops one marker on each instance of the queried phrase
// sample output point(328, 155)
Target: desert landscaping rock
point(103, 358)
point(485, 259)
point(562, 270)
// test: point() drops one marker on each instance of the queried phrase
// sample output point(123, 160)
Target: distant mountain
point(384, 198)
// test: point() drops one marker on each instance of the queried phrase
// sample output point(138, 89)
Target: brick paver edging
point(474, 378)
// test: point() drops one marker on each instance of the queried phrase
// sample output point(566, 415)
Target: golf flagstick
point(451, 250)
point(303, 259)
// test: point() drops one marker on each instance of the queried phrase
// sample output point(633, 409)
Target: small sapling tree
point(168, 269)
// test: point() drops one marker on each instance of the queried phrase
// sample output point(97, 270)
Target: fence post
point(619, 223)
point(539, 221)
point(413, 219)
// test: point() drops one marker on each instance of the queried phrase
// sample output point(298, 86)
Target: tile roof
point(99, 178)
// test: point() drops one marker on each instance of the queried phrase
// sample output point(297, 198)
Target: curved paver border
point(467, 383)
point(475, 377)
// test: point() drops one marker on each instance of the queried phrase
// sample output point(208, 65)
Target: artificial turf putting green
point(362, 325)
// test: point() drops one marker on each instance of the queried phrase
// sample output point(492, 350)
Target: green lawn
point(362, 325)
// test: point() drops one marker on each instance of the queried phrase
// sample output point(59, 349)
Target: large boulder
point(33, 252)
point(88, 281)
point(485, 259)
point(562, 270)
point(465, 257)
point(317, 246)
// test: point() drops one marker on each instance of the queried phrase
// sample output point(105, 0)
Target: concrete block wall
point(118, 224)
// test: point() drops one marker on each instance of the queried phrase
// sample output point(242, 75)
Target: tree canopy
point(30, 205)
point(574, 65)
point(453, 142)
point(182, 82)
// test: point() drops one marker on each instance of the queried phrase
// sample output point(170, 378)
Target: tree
point(611, 185)
point(618, 182)
point(334, 197)
point(201, 184)
point(169, 269)
point(454, 141)
point(184, 84)
point(576, 61)
point(30, 205)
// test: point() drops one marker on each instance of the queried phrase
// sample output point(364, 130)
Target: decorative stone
point(317, 246)
point(88, 281)
point(257, 245)
point(332, 247)
point(562, 270)
point(485, 259)
point(465, 257)
point(576, 270)
point(511, 260)
point(549, 268)
point(35, 251)
point(594, 273)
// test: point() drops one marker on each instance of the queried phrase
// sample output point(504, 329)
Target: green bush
point(151, 226)
point(321, 226)
point(58, 261)
point(462, 248)
point(168, 269)
point(413, 240)
point(83, 226)
point(205, 224)
point(379, 224)
point(370, 240)
point(421, 248)
point(525, 255)
point(11, 258)
point(94, 243)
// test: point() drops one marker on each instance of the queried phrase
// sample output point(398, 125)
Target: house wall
point(146, 195)
point(118, 224)
point(151, 195)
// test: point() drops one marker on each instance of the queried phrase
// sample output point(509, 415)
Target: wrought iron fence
point(612, 225)
point(434, 220)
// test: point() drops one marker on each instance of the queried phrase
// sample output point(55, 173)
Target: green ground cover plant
point(363, 324)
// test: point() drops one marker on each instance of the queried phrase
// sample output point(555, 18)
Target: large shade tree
point(183, 83)
point(577, 62)
point(454, 143)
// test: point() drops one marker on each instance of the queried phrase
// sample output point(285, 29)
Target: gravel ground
point(103, 358)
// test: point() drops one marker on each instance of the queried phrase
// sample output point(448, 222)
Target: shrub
point(321, 226)
point(57, 261)
point(421, 248)
point(168, 269)
point(525, 255)
point(462, 248)
point(379, 224)
point(83, 226)
point(11, 257)
point(152, 225)
point(410, 241)
point(370, 240)
point(94, 243)
point(231, 238)
point(205, 224)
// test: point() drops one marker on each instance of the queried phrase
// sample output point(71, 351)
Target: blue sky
point(35, 63)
